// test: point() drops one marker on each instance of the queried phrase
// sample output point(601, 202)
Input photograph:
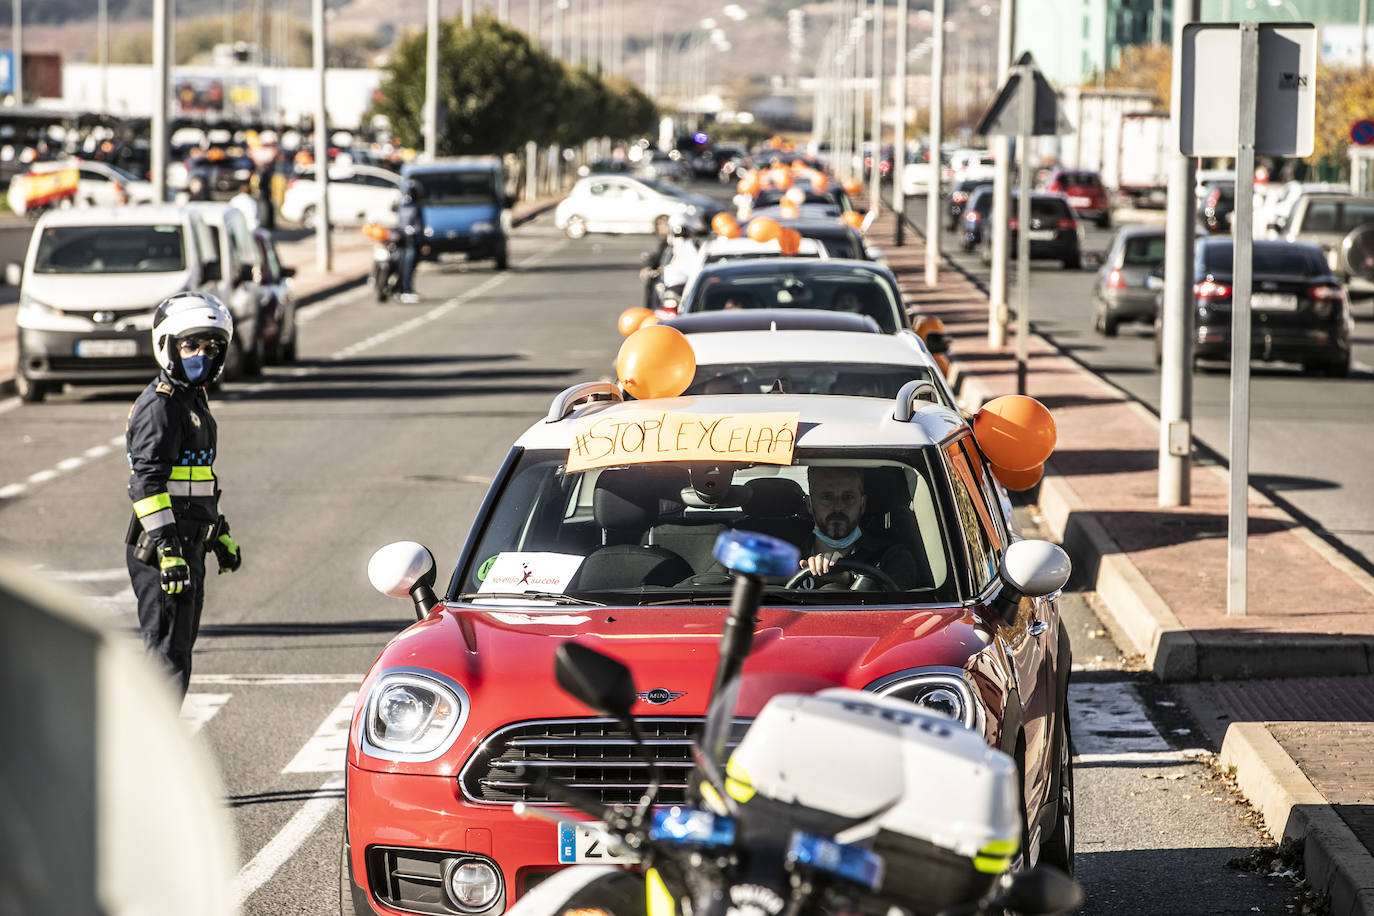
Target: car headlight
point(413, 714)
point(941, 691)
point(28, 302)
point(482, 227)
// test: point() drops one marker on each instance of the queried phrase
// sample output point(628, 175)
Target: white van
point(88, 287)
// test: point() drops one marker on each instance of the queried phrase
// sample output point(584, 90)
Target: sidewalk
point(1161, 578)
point(352, 262)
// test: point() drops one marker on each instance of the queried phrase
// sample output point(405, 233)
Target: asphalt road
point(1309, 436)
point(389, 428)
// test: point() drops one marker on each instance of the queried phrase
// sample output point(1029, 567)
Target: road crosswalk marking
point(199, 708)
point(327, 749)
point(282, 846)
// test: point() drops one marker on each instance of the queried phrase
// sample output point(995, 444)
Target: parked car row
point(92, 277)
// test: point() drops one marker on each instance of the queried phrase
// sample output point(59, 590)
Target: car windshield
point(1079, 179)
point(1268, 258)
point(457, 189)
point(644, 533)
point(773, 196)
point(1143, 251)
point(841, 290)
point(99, 250)
point(666, 188)
point(866, 381)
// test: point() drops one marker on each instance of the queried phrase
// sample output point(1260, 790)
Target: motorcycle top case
point(945, 805)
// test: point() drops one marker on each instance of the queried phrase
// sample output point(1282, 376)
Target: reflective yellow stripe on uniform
point(154, 512)
point(192, 480)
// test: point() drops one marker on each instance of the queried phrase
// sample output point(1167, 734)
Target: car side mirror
point(212, 272)
point(288, 272)
point(14, 274)
point(405, 569)
point(600, 682)
point(243, 275)
point(1036, 568)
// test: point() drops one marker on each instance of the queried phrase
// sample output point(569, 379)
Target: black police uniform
point(171, 441)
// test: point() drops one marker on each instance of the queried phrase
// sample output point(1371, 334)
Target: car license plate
point(1042, 235)
point(1080, 201)
point(95, 349)
point(578, 844)
point(1274, 302)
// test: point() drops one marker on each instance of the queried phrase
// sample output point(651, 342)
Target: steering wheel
point(862, 571)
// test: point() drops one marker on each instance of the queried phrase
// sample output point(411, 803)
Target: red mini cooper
point(599, 528)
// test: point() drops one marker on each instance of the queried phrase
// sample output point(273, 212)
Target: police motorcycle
point(386, 259)
point(916, 814)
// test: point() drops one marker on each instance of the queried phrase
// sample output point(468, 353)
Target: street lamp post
point(876, 174)
point(432, 82)
point(323, 255)
point(161, 77)
point(937, 89)
point(899, 130)
point(18, 14)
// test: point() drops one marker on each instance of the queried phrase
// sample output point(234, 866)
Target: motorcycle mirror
point(1040, 891)
point(598, 681)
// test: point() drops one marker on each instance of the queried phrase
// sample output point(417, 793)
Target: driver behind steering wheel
point(837, 504)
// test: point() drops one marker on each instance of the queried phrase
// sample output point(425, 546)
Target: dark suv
point(1299, 311)
point(1055, 233)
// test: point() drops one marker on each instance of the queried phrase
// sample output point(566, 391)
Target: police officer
point(410, 222)
point(171, 446)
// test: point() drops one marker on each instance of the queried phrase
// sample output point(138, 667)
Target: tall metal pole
point(432, 81)
point(467, 14)
point(503, 11)
point(899, 129)
point(162, 73)
point(17, 12)
point(1157, 23)
point(558, 28)
point(102, 41)
point(1364, 34)
point(533, 28)
point(1026, 75)
point(937, 99)
point(1176, 341)
point(876, 175)
point(1001, 191)
point(860, 78)
point(1242, 272)
point(574, 34)
point(323, 255)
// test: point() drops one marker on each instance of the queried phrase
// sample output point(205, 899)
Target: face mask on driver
point(837, 544)
point(197, 368)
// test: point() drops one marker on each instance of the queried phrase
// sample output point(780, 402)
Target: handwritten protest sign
point(637, 437)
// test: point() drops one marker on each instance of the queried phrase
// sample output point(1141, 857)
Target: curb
point(1333, 856)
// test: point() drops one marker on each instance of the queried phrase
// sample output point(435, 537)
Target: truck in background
point(1121, 135)
point(1143, 158)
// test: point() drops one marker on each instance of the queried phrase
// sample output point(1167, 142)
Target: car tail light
point(1011, 223)
point(1211, 289)
point(973, 216)
point(1068, 224)
point(1325, 299)
point(1115, 280)
point(959, 196)
point(1214, 197)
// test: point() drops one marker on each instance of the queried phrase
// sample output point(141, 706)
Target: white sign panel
point(1286, 95)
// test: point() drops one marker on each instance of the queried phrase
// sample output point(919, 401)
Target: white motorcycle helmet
point(191, 315)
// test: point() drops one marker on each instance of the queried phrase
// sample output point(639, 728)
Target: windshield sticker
point(518, 571)
point(485, 567)
point(637, 437)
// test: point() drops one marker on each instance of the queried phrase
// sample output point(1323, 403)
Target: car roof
point(793, 265)
point(114, 216)
point(1127, 232)
point(810, 346)
point(824, 421)
point(1219, 241)
point(781, 319)
point(470, 163)
point(721, 246)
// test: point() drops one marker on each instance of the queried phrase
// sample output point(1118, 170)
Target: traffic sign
point(6, 72)
point(1003, 117)
point(1362, 132)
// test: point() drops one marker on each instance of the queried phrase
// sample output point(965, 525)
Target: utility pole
point(937, 98)
point(162, 72)
point(432, 82)
point(1176, 342)
point(1001, 192)
point(467, 14)
point(899, 129)
point(875, 198)
point(533, 28)
point(17, 12)
point(102, 41)
point(323, 255)
point(860, 76)
point(1364, 34)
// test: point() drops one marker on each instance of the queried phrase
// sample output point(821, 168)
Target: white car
point(99, 184)
point(236, 268)
point(796, 352)
point(719, 248)
point(621, 204)
point(357, 194)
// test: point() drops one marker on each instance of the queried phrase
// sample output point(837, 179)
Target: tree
point(1147, 67)
point(1344, 95)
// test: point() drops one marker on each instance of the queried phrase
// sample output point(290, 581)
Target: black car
point(217, 176)
point(1055, 234)
point(854, 287)
point(833, 198)
point(1299, 310)
point(1121, 292)
point(1218, 203)
point(958, 198)
point(839, 240)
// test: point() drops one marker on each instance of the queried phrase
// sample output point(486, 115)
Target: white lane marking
point(327, 749)
point(282, 846)
point(120, 604)
point(9, 404)
point(273, 680)
point(1144, 758)
point(113, 574)
point(97, 451)
point(307, 315)
point(199, 708)
point(1108, 718)
point(11, 490)
point(70, 464)
point(41, 476)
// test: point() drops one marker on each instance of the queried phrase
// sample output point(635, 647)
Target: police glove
point(176, 575)
point(227, 551)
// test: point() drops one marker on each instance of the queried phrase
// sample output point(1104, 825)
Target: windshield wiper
point(776, 596)
point(554, 597)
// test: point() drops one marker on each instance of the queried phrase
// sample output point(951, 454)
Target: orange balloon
point(763, 229)
point(927, 325)
point(656, 362)
point(630, 319)
point(749, 184)
point(852, 218)
point(725, 226)
point(1019, 480)
point(943, 362)
point(796, 195)
point(819, 181)
point(782, 179)
point(789, 240)
point(1015, 432)
point(798, 166)
point(788, 209)
point(652, 319)
point(853, 186)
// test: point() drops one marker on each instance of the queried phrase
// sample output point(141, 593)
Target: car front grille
point(594, 755)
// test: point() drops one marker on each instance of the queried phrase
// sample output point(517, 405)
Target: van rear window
point(110, 250)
